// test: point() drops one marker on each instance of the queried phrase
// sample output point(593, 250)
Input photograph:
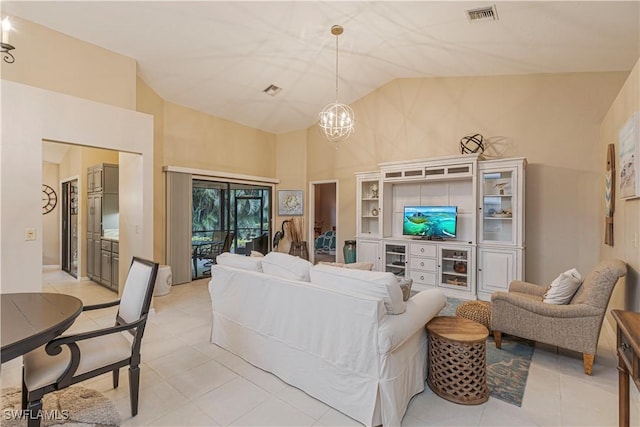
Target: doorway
point(69, 255)
point(323, 221)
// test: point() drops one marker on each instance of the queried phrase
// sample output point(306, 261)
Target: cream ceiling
point(218, 56)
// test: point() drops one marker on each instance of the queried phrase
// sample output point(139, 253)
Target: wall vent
point(272, 90)
point(488, 13)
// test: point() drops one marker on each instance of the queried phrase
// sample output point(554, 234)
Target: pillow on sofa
point(405, 285)
point(563, 287)
point(239, 261)
point(286, 266)
point(372, 283)
point(354, 265)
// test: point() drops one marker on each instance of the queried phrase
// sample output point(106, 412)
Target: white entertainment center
point(487, 251)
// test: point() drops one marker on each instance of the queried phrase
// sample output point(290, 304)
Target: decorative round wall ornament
point(374, 212)
point(49, 199)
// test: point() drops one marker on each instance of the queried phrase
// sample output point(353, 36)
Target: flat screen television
point(430, 222)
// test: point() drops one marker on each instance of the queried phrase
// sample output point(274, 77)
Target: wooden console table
point(628, 345)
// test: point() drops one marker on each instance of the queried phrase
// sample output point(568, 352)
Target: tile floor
point(188, 381)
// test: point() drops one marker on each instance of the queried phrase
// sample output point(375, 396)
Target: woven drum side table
point(458, 359)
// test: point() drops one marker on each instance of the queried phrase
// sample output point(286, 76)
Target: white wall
point(30, 115)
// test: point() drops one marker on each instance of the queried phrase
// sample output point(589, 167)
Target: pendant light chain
point(337, 37)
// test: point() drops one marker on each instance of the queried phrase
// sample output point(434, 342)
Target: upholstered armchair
point(70, 359)
point(574, 326)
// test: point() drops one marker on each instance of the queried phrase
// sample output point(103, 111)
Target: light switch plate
point(30, 233)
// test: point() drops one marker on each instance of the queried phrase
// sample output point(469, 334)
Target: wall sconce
point(6, 48)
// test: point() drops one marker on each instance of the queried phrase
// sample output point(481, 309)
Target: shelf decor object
point(5, 47)
point(336, 119)
point(471, 144)
point(349, 251)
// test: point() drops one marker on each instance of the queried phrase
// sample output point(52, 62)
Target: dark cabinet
point(90, 263)
point(105, 266)
point(102, 221)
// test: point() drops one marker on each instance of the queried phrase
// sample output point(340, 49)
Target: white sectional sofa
point(326, 330)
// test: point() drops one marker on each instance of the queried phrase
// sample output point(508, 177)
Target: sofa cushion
point(371, 283)
point(286, 266)
point(239, 261)
point(563, 287)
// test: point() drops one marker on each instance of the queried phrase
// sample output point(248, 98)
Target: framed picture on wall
point(290, 203)
point(629, 140)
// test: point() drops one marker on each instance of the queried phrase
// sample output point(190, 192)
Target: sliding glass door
point(227, 217)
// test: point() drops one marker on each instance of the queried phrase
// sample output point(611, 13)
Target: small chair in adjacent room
point(574, 326)
point(70, 359)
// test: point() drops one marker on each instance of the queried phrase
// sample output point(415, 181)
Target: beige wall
point(51, 221)
point(147, 101)
point(198, 140)
point(626, 295)
point(551, 119)
point(51, 60)
point(291, 170)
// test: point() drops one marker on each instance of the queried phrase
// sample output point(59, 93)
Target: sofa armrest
point(395, 329)
point(550, 310)
point(527, 288)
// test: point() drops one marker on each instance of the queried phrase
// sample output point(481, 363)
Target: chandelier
point(336, 119)
point(5, 47)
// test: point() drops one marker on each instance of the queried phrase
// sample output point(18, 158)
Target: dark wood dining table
point(29, 320)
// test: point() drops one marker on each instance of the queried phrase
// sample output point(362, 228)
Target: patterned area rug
point(507, 368)
point(73, 406)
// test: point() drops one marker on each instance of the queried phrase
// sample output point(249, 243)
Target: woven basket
point(478, 311)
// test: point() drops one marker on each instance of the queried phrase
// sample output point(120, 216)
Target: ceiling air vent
point(488, 13)
point(272, 90)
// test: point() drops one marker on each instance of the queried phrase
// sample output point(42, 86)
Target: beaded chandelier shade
point(336, 119)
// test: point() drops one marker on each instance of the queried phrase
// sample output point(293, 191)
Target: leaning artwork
point(628, 138)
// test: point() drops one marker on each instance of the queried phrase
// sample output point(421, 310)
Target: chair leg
point(497, 338)
point(34, 413)
point(587, 360)
point(134, 385)
point(116, 377)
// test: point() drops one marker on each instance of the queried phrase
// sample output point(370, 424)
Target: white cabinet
point(423, 265)
point(447, 266)
point(496, 267)
point(501, 237)
point(368, 223)
point(368, 250)
point(395, 257)
point(487, 251)
point(501, 211)
point(455, 268)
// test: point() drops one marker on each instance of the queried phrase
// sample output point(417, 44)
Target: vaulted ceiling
point(218, 56)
